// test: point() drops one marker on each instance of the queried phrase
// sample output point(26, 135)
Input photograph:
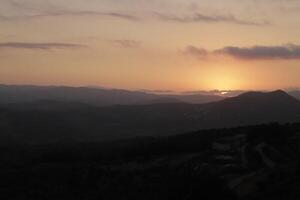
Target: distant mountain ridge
point(257, 107)
point(261, 100)
point(48, 121)
point(93, 96)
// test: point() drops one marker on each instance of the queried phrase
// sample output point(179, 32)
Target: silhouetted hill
point(265, 99)
point(50, 105)
point(92, 96)
point(196, 98)
point(61, 121)
point(49, 149)
point(162, 100)
point(256, 107)
point(244, 163)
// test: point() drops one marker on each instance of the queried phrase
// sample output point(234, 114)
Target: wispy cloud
point(73, 13)
point(40, 46)
point(198, 17)
point(259, 52)
point(44, 9)
point(126, 43)
point(289, 51)
point(196, 51)
point(93, 13)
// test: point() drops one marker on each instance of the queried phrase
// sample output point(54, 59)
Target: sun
point(223, 82)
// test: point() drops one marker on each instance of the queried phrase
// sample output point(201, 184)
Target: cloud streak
point(126, 43)
point(74, 14)
point(198, 17)
point(195, 51)
point(95, 13)
point(46, 9)
point(40, 46)
point(290, 51)
point(259, 52)
point(43, 10)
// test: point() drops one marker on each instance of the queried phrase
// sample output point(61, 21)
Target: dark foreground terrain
point(254, 162)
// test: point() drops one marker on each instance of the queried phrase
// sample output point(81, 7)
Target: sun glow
point(224, 82)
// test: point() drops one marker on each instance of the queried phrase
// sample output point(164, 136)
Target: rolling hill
point(48, 122)
point(253, 162)
point(94, 96)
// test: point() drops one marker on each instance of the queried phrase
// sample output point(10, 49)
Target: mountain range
point(157, 148)
point(95, 96)
point(47, 121)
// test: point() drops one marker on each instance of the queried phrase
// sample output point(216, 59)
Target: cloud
point(40, 46)
point(95, 13)
point(290, 51)
point(73, 13)
point(195, 51)
point(122, 16)
point(284, 52)
point(198, 17)
point(126, 43)
point(37, 10)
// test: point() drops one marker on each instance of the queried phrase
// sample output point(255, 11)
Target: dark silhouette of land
point(48, 121)
point(245, 148)
point(94, 96)
point(255, 162)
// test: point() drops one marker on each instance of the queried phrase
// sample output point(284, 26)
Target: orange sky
point(160, 44)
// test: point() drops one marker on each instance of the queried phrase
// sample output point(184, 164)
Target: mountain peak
point(278, 97)
point(272, 94)
point(279, 92)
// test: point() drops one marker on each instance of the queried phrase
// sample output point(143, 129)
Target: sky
point(180, 45)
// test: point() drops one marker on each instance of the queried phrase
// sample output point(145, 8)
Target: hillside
point(93, 96)
point(256, 162)
point(48, 121)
